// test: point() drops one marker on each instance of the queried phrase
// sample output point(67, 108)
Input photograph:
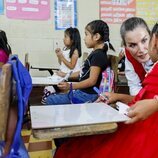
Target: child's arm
point(142, 110)
point(73, 61)
point(91, 81)
point(58, 53)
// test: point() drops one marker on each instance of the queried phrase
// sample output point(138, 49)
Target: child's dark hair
point(4, 43)
point(100, 27)
point(74, 35)
point(155, 30)
point(131, 24)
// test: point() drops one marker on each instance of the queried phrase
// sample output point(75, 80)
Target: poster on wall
point(28, 9)
point(116, 11)
point(148, 10)
point(1, 7)
point(65, 14)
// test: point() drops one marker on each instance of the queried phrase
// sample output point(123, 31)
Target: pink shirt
point(3, 56)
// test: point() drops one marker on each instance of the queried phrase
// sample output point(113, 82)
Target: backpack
point(107, 82)
point(106, 85)
point(23, 88)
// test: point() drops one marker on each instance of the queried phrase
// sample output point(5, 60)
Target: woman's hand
point(141, 110)
point(64, 86)
point(111, 98)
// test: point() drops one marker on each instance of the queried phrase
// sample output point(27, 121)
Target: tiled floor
point(37, 148)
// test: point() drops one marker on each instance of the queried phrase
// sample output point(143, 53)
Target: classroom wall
point(39, 38)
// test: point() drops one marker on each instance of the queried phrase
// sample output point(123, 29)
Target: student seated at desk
point(5, 147)
point(5, 49)
point(129, 141)
point(96, 37)
point(68, 58)
point(15, 103)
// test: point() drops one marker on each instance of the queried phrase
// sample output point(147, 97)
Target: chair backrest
point(114, 65)
point(5, 89)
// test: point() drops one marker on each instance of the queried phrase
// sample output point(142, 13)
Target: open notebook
point(73, 115)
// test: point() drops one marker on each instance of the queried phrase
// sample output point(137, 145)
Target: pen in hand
point(105, 98)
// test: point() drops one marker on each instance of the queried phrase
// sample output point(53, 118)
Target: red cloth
point(150, 86)
point(139, 140)
point(138, 68)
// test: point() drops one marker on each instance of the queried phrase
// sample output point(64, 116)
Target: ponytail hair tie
point(107, 43)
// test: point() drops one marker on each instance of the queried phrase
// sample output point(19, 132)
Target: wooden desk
point(46, 81)
point(43, 81)
point(58, 121)
point(74, 131)
point(50, 70)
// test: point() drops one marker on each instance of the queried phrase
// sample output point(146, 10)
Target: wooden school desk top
point(74, 131)
point(43, 81)
point(71, 120)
